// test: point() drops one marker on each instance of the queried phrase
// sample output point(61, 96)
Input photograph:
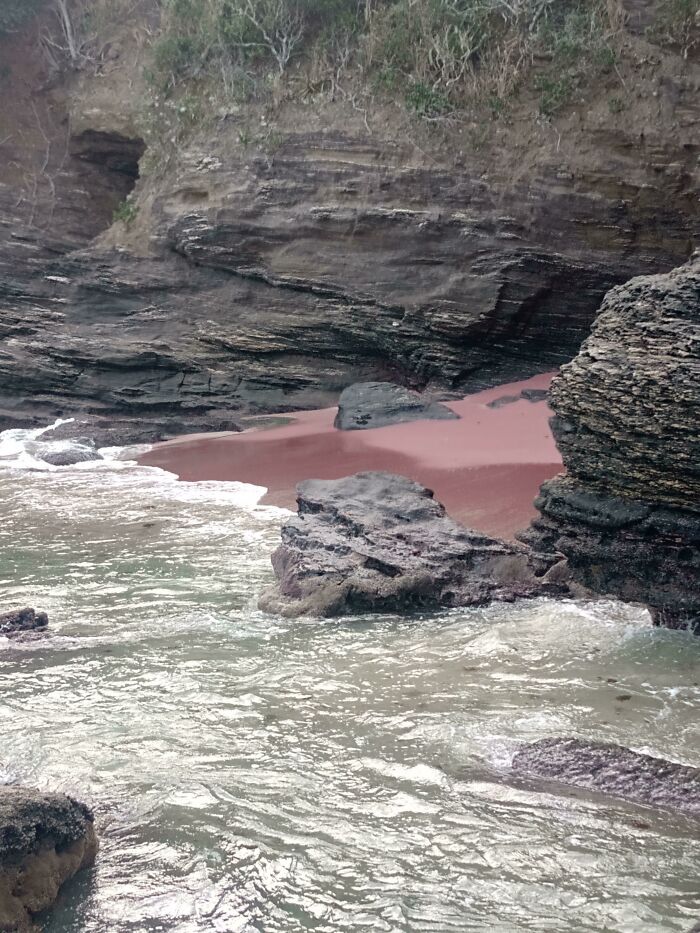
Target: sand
point(486, 467)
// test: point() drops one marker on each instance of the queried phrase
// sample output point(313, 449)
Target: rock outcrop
point(283, 256)
point(627, 422)
point(58, 453)
point(18, 621)
point(376, 404)
point(44, 840)
point(612, 769)
point(376, 542)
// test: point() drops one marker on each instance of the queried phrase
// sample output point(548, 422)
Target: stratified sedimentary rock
point(44, 840)
point(377, 404)
point(22, 620)
point(612, 769)
point(343, 246)
point(376, 542)
point(627, 422)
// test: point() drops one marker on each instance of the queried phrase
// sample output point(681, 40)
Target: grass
point(126, 212)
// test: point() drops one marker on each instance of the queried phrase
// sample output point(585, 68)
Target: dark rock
point(120, 432)
point(375, 542)
point(534, 395)
point(376, 404)
point(44, 840)
point(627, 513)
point(530, 395)
point(612, 769)
point(58, 454)
point(502, 401)
point(22, 620)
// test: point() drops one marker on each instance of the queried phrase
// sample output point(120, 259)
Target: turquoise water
point(250, 773)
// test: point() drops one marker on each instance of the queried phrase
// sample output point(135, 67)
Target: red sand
point(486, 468)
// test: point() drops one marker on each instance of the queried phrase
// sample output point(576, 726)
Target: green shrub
point(126, 212)
point(426, 101)
point(438, 56)
point(555, 91)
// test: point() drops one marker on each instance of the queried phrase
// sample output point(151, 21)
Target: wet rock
point(530, 395)
point(502, 401)
point(22, 620)
point(626, 514)
point(119, 432)
point(534, 395)
point(376, 542)
point(612, 769)
point(377, 404)
point(45, 839)
point(59, 454)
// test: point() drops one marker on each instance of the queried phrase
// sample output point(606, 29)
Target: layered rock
point(612, 769)
point(283, 256)
point(44, 840)
point(627, 422)
point(18, 621)
point(367, 405)
point(376, 542)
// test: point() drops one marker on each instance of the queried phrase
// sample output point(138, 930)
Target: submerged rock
point(44, 840)
point(613, 769)
point(22, 620)
point(58, 454)
point(377, 404)
point(376, 542)
point(627, 513)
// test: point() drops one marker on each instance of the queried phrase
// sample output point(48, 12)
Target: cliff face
point(627, 423)
point(274, 259)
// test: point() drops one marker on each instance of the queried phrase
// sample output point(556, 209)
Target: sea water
point(253, 773)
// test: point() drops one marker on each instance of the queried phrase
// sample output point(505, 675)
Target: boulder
point(376, 542)
point(44, 840)
point(627, 513)
point(59, 453)
point(22, 620)
point(377, 404)
point(612, 769)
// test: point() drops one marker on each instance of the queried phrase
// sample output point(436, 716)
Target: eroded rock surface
point(44, 840)
point(627, 422)
point(22, 620)
point(612, 769)
point(330, 248)
point(377, 404)
point(376, 542)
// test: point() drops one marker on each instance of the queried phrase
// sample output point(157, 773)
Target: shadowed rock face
point(376, 542)
point(44, 840)
point(377, 404)
point(627, 423)
point(22, 620)
point(613, 769)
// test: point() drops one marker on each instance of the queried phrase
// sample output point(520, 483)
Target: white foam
point(15, 454)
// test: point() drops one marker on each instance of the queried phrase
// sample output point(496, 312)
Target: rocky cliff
point(627, 423)
point(283, 251)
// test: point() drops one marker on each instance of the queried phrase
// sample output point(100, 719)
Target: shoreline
point(486, 468)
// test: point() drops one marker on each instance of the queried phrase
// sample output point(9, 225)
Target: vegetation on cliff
point(443, 58)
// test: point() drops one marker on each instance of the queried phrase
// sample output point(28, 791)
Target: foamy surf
point(16, 454)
